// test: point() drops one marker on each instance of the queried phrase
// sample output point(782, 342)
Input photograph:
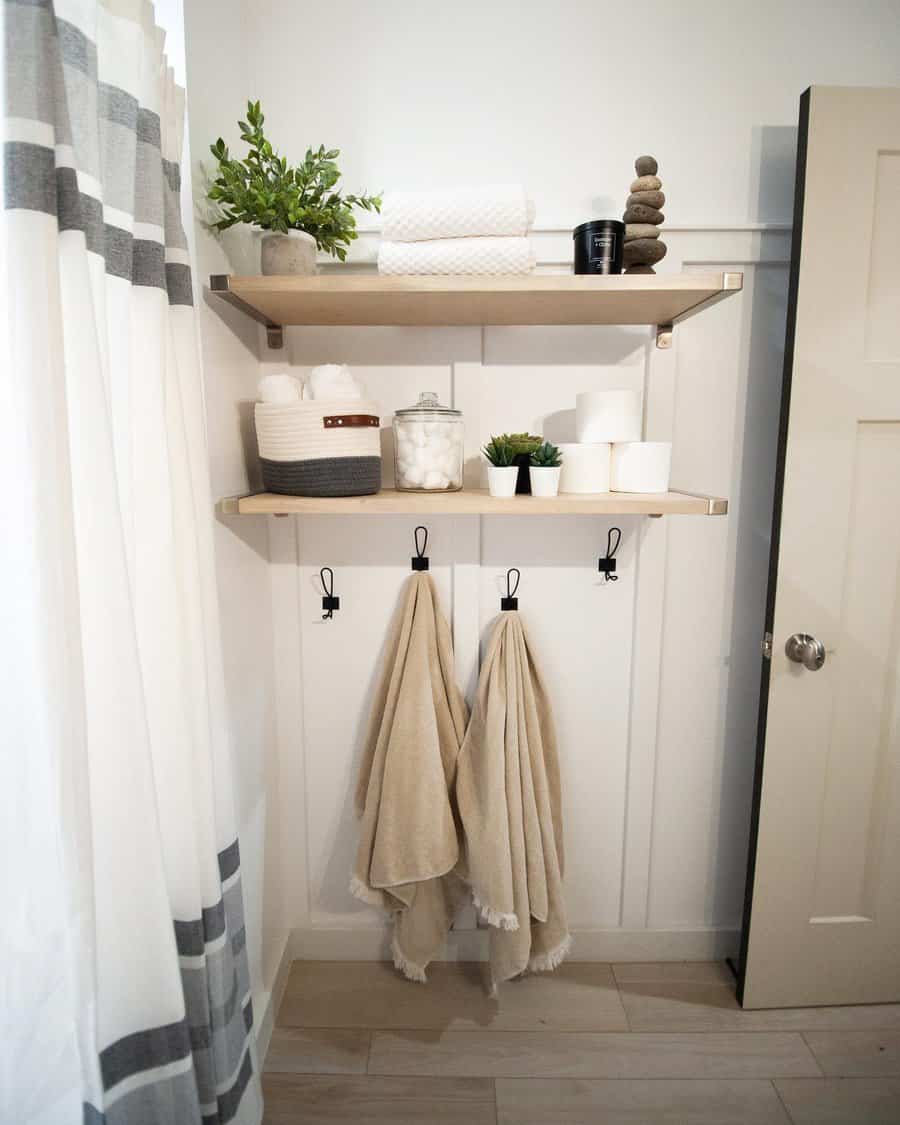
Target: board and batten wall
point(654, 678)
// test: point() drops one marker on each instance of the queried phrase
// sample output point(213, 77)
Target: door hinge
point(767, 646)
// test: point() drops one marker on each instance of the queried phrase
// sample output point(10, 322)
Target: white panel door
point(823, 922)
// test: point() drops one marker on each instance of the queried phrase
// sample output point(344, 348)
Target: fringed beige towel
point(508, 791)
point(409, 837)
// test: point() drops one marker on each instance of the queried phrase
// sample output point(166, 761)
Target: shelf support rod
point(219, 284)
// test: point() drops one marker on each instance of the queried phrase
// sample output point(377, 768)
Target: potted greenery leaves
point(298, 208)
point(502, 471)
point(523, 445)
point(544, 469)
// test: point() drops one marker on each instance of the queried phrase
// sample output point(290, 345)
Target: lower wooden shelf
point(477, 502)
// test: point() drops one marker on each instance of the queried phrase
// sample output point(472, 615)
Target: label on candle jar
point(603, 249)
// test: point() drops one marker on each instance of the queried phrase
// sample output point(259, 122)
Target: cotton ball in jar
point(435, 480)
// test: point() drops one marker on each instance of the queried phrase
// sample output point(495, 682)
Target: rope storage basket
point(321, 447)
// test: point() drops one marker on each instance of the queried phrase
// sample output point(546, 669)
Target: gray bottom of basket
point(323, 476)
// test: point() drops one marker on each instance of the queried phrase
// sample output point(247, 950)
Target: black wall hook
point(329, 602)
point(511, 601)
point(420, 559)
point(607, 565)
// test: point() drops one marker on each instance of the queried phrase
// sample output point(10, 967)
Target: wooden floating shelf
point(653, 299)
point(478, 502)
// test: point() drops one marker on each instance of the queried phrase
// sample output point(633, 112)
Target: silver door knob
point(806, 650)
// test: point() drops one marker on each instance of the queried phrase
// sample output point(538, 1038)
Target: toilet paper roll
point(585, 468)
point(608, 416)
point(640, 466)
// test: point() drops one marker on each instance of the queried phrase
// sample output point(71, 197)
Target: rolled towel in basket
point(279, 388)
point(495, 209)
point(334, 380)
point(468, 257)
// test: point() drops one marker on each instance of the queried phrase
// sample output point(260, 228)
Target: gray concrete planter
point(291, 253)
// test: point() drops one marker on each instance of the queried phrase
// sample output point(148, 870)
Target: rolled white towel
point(501, 210)
point(472, 257)
point(334, 380)
point(279, 388)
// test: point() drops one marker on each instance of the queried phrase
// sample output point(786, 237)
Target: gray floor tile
point(296, 1050)
point(679, 1005)
point(571, 1101)
point(358, 1100)
point(841, 1101)
point(856, 1054)
point(591, 1055)
point(577, 997)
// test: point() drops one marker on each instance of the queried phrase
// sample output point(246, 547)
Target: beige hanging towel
point(508, 791)
point(409, 834)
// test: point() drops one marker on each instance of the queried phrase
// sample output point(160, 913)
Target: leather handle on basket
point(350, 421)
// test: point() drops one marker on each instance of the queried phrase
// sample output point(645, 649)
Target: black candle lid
point(598, 225)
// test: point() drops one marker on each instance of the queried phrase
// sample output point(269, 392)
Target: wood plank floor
point(650, 1044)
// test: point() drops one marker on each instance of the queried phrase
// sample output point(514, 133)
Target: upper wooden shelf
point(655, 299)
point(477, 502)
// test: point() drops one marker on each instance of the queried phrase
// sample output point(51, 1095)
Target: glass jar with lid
point(428, 447)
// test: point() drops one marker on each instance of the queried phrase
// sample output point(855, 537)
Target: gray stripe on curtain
point(144, 1050)
point(214, 1034)
point(230, 1100)
point(173, 1101)
point(30, 48)
point(170, 1099)
point(117, 106)
point(34, 183)
point(229, 861)
point(76, 49)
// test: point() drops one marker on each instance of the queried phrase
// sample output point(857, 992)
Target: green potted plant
point(300, 209)
point(544, 470)
point(502, 471)
point(523, 445)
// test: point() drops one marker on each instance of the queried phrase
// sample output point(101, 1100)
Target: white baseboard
point(471, 945)
point(269, 1013)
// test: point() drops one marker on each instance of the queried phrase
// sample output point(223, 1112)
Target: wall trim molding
point(269, 1013)
point(314, 944)
point(758, 243)
point(562, 227)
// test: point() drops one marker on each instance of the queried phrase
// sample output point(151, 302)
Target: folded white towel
point(472, 257)
point(334, 380)
point(496, 209)
point(279, 388)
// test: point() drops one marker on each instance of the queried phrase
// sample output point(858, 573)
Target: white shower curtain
point(124, 991)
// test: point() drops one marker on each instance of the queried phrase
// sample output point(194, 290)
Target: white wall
point(654, 677)
point(230, 364)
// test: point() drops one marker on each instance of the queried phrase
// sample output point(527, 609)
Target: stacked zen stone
point(643, 218)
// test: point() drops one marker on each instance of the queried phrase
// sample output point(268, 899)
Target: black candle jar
point(598, 246)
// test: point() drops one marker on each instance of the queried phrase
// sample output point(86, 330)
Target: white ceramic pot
point(291, 253)
point(502, 479)
point(544, 480)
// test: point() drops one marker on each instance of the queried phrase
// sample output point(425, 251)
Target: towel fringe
point(495, 918)
point(365, 894)
point(547, 962)
point(409, 969)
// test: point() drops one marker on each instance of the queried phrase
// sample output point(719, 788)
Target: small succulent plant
point(499, 452)
point(546, 456)
point(522, 443)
